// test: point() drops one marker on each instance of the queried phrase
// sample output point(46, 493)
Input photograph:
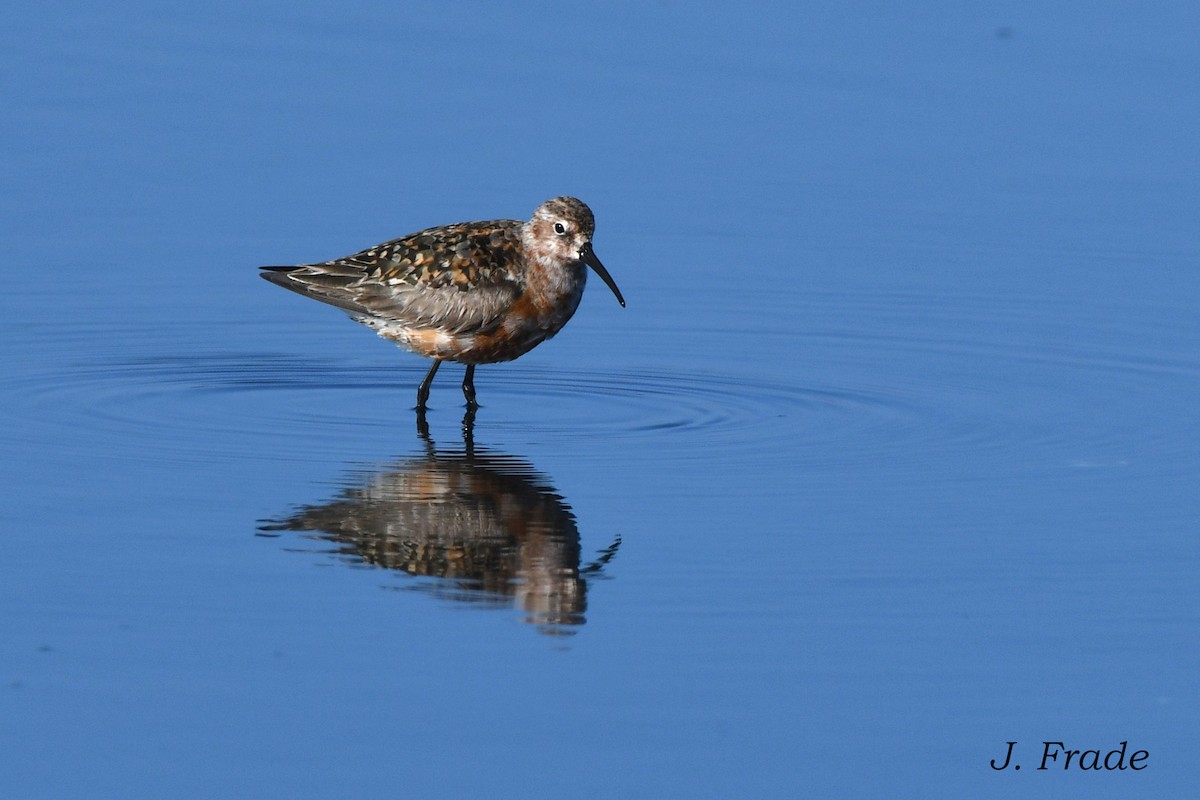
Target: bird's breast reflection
point(485, 526)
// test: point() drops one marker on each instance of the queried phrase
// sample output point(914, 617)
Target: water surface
point(890, 460)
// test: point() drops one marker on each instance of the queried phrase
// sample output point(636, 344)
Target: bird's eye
point(559, 228)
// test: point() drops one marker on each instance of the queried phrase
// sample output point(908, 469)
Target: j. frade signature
point(1058, 755)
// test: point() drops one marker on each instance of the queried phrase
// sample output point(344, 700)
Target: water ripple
point(884, 380)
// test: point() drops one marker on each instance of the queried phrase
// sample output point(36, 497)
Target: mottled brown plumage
point(473, 292)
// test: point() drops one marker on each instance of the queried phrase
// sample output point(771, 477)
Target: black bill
point(588, 257)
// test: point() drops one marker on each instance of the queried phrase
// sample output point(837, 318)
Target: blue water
point(891, 459)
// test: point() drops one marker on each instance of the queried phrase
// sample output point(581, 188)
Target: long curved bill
point(588, 257)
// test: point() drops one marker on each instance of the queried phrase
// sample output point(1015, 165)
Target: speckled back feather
point(455, 278)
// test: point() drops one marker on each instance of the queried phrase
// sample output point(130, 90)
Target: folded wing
point(460, 278)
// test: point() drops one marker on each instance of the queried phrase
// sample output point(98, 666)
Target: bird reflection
point(486, 526)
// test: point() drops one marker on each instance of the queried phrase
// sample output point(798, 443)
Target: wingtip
point(277, 276)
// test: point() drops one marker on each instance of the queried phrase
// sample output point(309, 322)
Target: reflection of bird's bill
point(588, 257)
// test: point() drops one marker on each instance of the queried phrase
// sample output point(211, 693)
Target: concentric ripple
point(220, 406)
point(888, 380)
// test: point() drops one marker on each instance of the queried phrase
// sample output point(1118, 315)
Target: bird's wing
point(456, 278)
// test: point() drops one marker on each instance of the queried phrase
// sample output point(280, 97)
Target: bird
point(472, 292)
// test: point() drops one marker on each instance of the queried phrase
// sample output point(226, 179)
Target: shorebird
point(473, 292)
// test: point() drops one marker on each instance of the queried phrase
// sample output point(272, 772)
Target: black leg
point(469, 387)
point(423, 389)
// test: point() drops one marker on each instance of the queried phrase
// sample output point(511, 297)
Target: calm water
point(892, 458)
